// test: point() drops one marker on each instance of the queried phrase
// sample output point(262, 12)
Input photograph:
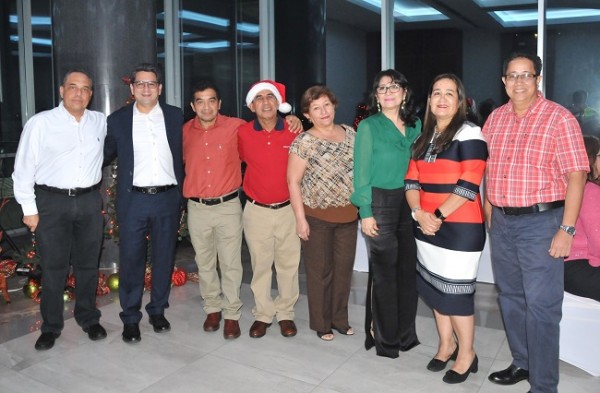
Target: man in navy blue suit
point(146, 136)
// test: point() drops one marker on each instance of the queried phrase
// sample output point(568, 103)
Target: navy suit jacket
point(119, 143)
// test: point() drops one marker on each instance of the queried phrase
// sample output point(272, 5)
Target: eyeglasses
point(393, 88)
point(525, 77)
point(152, 85)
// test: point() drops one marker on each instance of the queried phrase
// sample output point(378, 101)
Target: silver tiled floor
point(187, 359)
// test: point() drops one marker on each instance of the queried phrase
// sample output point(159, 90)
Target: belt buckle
point(152, 190)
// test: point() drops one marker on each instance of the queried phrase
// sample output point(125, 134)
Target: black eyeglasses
point(393, 88)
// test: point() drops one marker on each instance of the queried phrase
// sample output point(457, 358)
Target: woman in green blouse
point(381, 156)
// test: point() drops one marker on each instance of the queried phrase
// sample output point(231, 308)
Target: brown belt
point(271, 206)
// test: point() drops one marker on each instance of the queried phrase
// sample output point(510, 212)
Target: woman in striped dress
point(442, 190)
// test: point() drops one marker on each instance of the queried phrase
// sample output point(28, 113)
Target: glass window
point(10, 90)
point(46, 92)
point(572, 66)
point(219, 42)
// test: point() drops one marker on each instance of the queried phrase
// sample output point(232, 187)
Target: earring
point(378, 107)
point(403, 103)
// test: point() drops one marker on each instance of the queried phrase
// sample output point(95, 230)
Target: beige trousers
point(217, 231)
point(272, 240)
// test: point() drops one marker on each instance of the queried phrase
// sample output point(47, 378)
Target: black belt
point(271, 206)
point(537, 208)
point(153, 189)
point(215, 201)
point(72, 192)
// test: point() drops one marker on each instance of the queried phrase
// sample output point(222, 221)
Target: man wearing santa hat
point(268, 219)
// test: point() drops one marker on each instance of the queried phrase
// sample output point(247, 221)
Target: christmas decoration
point(193, 277)
point(362, 112)
point(178, 278)
point(148, 278)
point(8, 267)
point(113, 282)
point(31, 288)
point(111, 228)
point(4, 288)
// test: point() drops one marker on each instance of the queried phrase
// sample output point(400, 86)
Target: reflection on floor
point(187, 359)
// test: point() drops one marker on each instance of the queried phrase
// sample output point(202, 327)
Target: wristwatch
point(438, 214)
point(569, 229)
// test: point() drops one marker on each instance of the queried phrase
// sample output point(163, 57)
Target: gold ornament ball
point(113, 282)
point(29, 290)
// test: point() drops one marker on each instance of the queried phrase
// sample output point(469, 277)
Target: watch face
point(568, 229)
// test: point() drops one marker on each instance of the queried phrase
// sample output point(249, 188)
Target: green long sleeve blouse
point(381, 156)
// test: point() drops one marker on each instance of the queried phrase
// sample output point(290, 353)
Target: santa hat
point(278, 90)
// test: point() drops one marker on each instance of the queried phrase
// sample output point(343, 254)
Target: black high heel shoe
point(454, 377)
point(438, 365)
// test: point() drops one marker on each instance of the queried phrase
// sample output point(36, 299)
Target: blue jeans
point(530, 285)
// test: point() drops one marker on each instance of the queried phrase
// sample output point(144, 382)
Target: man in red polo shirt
point(269, 223)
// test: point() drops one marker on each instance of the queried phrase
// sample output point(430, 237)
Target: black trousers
point(391, 293)
point(582, 279)
point(69, 233)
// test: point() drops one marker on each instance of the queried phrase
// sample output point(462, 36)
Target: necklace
point(429, 156)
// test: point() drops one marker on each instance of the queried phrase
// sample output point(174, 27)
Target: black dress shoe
point(131, 333)
point(454, 377)
point(509, 376)
point(160, 323)
point(438, 365)
point(46, 341)
point(95, 332)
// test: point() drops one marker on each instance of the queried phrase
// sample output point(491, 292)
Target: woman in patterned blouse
point(320, 182)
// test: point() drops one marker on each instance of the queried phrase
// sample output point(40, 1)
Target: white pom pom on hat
point(278, 90)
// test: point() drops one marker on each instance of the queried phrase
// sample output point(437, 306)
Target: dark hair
point(314, 93)
point(78, 70)
point(429, 123)
point(147, 67)
point(537, 62)
point(592, 147)
point(407, 114)
point(204, 85)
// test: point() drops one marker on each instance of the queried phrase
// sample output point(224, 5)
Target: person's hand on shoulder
point(294, 124)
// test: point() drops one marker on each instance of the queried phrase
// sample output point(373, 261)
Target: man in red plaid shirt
point(536, 173)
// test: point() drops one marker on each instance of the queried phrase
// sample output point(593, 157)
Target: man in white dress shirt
point(146, 137)
point(56, 180)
